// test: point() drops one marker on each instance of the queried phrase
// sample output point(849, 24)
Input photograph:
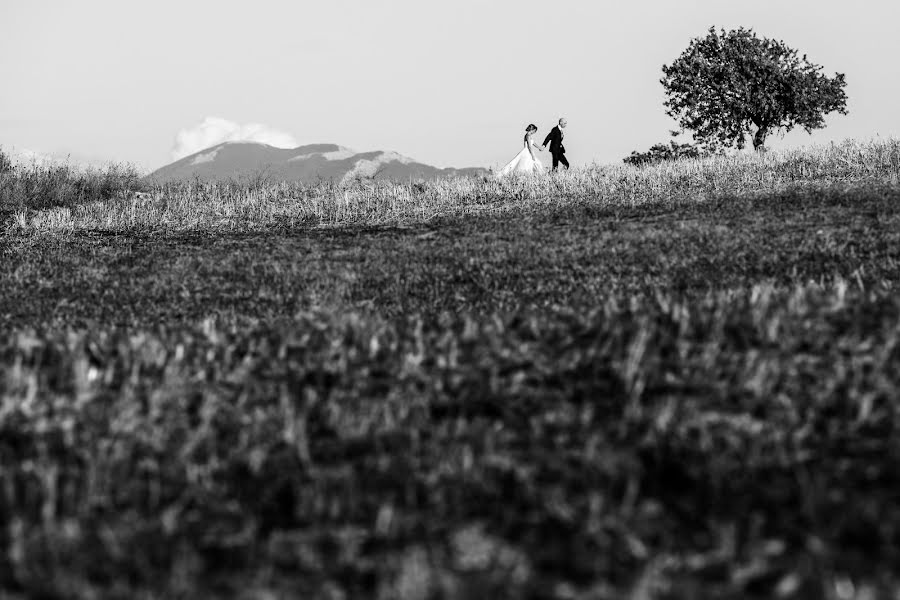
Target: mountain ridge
point(311, 162)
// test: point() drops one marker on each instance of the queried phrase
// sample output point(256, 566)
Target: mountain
point(237, 160)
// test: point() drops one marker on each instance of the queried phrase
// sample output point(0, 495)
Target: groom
point(555, 139)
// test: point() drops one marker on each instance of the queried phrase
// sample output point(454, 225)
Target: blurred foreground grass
point(743, 444)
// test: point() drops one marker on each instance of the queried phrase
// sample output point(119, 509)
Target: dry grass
point(243, 207)
point(36, 186)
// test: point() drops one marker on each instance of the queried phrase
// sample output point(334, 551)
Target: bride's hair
point(531, 127)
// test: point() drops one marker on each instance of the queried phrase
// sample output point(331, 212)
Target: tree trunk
point(759, 139)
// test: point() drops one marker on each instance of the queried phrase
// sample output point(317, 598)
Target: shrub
point(661, 152)
point(40, 186)
point(5, 163)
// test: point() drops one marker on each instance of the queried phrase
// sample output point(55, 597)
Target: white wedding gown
point(522, 163)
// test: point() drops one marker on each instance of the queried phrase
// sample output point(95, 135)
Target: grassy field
point(670, 382)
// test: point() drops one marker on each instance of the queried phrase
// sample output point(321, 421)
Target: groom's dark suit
point(555, 139)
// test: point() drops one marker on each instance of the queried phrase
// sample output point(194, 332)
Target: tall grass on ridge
point(35, 186)
point(234, 206)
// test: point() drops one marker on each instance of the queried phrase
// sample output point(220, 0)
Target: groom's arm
point(548, 138)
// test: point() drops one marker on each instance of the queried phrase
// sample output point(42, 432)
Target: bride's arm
point(530, 145)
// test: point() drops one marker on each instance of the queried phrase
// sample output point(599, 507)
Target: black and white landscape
point(276, 370)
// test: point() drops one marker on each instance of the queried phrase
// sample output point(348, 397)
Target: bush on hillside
point(5, 163)
point(40, 186)
point(671, 151)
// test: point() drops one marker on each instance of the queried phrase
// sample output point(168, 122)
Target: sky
point(449, 83)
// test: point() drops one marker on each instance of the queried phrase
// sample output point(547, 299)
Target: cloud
point(214, 130)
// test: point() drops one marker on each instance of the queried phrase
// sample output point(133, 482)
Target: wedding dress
point(522, 163)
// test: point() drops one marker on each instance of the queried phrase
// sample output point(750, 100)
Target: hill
point(675, 381)
point(234, 160)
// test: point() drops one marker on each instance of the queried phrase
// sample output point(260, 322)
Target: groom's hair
point(531, 127)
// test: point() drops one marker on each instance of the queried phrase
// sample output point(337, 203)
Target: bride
point(524, 162)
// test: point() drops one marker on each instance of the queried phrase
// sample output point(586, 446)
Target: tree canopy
point(729, 85)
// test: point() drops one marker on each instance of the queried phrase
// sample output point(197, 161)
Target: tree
point(732, 84)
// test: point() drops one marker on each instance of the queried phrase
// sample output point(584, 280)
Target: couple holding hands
point(526, 162)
